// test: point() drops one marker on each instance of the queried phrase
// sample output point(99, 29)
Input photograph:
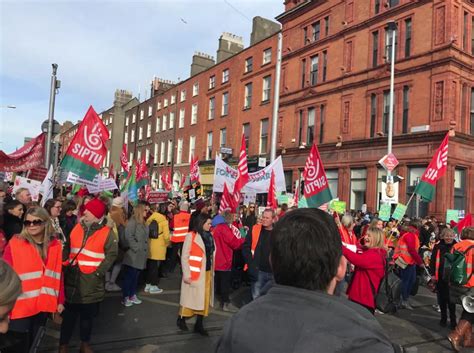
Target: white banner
point(76, 179)
point(103, 185)
point(47, 186)
point(259, 181)
point(32, 185)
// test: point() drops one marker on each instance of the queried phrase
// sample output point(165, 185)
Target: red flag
point(30, 156)
point(436, 169)
point(144, 169)
point(166, 179)
point(271, 197)
point(463, 223)
point(183, 180)
point(194, 170)
point(124, 159)
point(243, 170)
point(316, 187)
point(226, 200)
point(111, 171)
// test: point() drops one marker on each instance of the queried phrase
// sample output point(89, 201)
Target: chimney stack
point(121, 97)
point(201, 62)
point(159, 86)
point(229, 45)
point(262, 29)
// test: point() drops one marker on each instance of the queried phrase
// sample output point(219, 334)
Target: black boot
point(452, 319)
point(444, 319)
point(181, 323)
point(198, 327)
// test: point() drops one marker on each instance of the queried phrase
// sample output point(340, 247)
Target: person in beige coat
point(197, 285)
point(157, 253)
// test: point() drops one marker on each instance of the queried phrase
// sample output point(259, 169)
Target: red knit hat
point(96, 207)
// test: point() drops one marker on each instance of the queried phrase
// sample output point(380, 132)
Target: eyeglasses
point(36, 222)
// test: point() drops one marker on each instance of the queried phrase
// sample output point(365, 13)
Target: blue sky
point(100, 46)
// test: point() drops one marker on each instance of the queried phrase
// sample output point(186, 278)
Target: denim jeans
point(263, 279)
point(408, 276)
point(130, 281)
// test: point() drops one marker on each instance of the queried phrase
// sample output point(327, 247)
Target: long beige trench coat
point(193, 295)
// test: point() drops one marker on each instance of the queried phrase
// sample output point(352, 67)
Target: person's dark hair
point(68, 205)
point(48, 205)
point(467, 233)
point(163, 208)
point(200, 221)
point(284, 207)
point(415, 223)
point(305, 249)
point(10, 205)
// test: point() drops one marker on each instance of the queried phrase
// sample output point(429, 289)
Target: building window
point(195, 89)
point(223, 137)
point(375, 48)
point(406, 103)
point(392, 3)
point(134, 118)
point(246, 132)
point(209, 145)
point(322, 117)
point(225, 104)
point(158, 123)
point(150, 111)
point(332, 177)
point(142, 114)
point(358, 188)
point(162, 152)
point(316, 30)
point(414, 176)
point(472, 35)
point(326, 26)
point(314, 70)
point(472, 112)
point(407, 37)
point(182, 97)
point(170, 151)
point(465, 30)
point(165, 118)
point(181, 118)
point(388, 44)
point(349, 47)
point(192, 147)
point(147, 156)
point(325, 65)
point(267, 82)
point(155, 153)
point(126, 120)
point(267, 56)
point(303, 72)
point(212, 108)
point(310, 126)
point(373, 113)
point(300, 130)
point(179, 152)
point(386, 111)
point(148, 130)
point(212, 81)
point(249, 64)
point(263, 136)
point(225, 76)
point(171, 120)
point(460, 189)
point(132, 135)
point(158, 106)
point(173, 99)
point(377, 6)
point(305, 36)
point(126, 137)
point(131, 157)
point(165, 102)
point(194, 114)
point(248, 95)
point(140, 133)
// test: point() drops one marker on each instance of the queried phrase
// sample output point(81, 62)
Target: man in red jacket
point(227, 238)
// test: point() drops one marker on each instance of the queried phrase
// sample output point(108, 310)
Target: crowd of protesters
point(68, 253)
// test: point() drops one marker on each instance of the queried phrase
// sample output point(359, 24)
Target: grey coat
point(136, 236)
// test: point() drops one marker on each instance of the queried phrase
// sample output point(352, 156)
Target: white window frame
point(212, 108)
point(194, 114)
point(192, 147)
point(195, 89)
point(173, 99)
point(248, 95)
point(165, 103)
point(150, 110)
point(266, 88)
point(212, 81)
point(209, 144)
point(126, 137)
point(182, 97)
point(158, 122)
point(140, 133)
point(134, 118)
point(162, 152)
point(179, 152)
point(267, 56)
point(126, 120)
point(225, 75)
point(172, 118)
point(182, 113)
point(225, 104)
point(170, 151)
point(165, 122)
point(142, 114)
point(155, 153)
point(132, 135)
point(148, 130)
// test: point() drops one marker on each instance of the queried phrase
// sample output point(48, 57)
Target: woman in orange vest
point(197, 263)
point(442, 286)
point(462, 334)
point(36, 256)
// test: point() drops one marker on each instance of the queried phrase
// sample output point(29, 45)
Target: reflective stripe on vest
point(181, 227)
point(40, 282)
point(402, 249)
point(196, 255)
point(93, 253)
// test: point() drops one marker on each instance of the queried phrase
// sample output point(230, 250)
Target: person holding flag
point(316, 186)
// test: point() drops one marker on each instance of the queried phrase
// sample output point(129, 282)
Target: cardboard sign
point(399, 212)
point(282, 198)
point(158, 196)
point(389, 191)
point(338, 206)
point(452, 215)
point(103, 185)
point(384, 211)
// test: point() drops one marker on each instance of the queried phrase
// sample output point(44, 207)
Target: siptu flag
point(124, 160)
point(271, 197)
point(436, 169)
point(142, 176)
point(243, 170)
point(166, 179)
point(226, 200)
point(194, 170)
point(463, 223)
point(87, 150)
point(316, 187)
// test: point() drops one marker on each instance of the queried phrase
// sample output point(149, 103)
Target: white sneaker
point(112, 287)
point(127, 302)
point(377, 311)
point(155, 290)
point(147, 288)
point(406, 305)
point(135, 300)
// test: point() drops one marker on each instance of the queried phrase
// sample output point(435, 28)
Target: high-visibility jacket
point(437, 264)
point(462, 246)
point(196, 255)
point(346, 236)
point(91, 256)
point(402, 250)
point(256, 230)
point(181, 227)
point(40, 281)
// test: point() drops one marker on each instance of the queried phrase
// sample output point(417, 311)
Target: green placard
point(282, 198)
point(452, 215)
point(399, 212)
point(302, 203)
point(339, 206)
point(384, 211)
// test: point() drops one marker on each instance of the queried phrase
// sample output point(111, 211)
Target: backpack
point(154, 230)
point(455, 267)
point(389, 291)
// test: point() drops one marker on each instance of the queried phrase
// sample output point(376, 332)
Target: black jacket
point(442, 248)
point(296, 320)
point(11, 225)
point(253, 261)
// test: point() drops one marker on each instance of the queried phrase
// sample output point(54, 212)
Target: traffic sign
point(389, 162)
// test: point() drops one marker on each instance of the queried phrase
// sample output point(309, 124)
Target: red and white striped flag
point(243, 177)
point(225, 199)
point(124, 159)
point(272, 199)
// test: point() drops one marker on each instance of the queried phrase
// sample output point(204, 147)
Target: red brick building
point(335, 92)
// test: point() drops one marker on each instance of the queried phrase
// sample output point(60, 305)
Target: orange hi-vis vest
point(181, 227)
point(437, 263)
point(346, 236)
point(195, 258)
point(40, 282)
point(402, 250)
point(91, 256)
point(256, 230)
point(462, 246)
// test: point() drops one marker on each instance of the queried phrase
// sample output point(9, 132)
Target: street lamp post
point(55, 84)
point(392, 26)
